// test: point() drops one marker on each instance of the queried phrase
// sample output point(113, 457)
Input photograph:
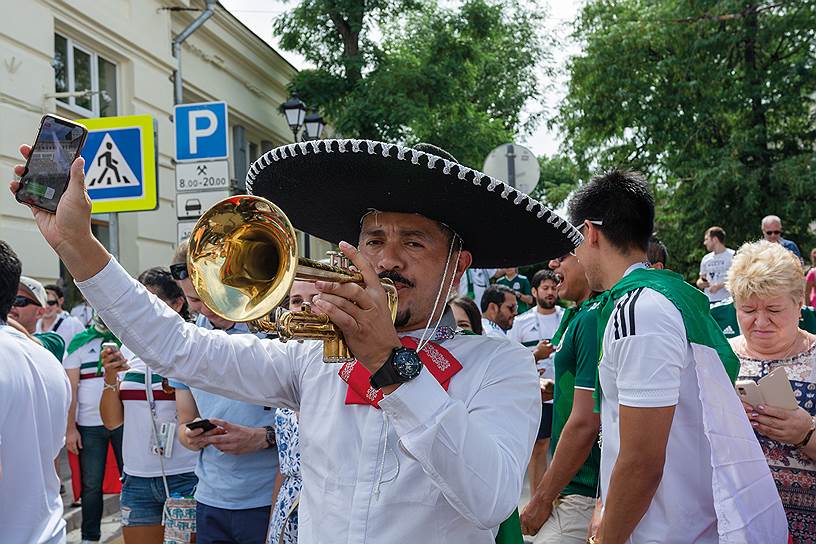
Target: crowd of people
point(605, 379)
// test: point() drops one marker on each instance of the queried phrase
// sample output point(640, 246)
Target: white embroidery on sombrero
point(432, 161)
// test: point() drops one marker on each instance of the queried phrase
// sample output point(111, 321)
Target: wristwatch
point(270, 436)
point(804, 442)
point(403, 365)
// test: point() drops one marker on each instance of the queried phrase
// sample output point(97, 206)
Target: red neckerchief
point(436, 359)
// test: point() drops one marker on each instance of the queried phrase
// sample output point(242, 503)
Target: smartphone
point(749, 392)
point(777, 391)
point(48, 169)
point(205, 424)
point(110, 345)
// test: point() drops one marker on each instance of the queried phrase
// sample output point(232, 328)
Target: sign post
point(515, 165)
point(202, 169)
point(121, 165)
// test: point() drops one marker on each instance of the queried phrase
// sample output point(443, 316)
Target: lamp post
point(295, 111)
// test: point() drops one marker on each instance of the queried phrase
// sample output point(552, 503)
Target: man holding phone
point(238, 460)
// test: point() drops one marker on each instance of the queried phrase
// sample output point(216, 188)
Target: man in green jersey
point(561, 506)
point(521, 288)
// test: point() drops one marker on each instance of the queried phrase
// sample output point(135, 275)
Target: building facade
point(121, 52)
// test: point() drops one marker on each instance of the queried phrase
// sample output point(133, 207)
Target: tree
point(558, 178)
point(457, 78)
point(712, 99)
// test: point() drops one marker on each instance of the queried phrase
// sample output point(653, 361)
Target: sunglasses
point(53, 302)
point(22, 302)
point(179, 271)
point(773, 232)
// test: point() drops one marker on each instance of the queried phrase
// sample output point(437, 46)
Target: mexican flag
point(745, 497)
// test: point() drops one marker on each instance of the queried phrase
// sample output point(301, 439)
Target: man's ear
point(465, 260)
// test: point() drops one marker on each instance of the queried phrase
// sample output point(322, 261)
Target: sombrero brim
point(326, 186)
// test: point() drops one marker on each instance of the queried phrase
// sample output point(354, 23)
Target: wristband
point(115, 386)
point(809, 434)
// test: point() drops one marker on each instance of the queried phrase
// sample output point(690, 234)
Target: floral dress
point(793, 472)
point(286, 434)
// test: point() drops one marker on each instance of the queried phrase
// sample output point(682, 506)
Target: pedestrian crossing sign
point(120, 163)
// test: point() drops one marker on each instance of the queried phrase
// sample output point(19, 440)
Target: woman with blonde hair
point(767, 285)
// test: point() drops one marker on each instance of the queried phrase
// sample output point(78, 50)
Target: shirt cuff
point(105, 288)
point(415, 404)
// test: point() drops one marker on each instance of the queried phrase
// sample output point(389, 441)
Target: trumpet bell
point(242, 258)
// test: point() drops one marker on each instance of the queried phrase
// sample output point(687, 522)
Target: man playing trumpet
point(425, 437)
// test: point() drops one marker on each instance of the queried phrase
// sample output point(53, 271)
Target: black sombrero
point(325, 187)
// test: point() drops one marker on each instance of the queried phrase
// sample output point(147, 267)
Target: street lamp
point(295, 110)
point(314, 126)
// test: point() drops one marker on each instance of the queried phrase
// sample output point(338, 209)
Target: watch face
point(407, 363)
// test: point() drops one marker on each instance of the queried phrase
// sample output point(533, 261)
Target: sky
point(259, 14)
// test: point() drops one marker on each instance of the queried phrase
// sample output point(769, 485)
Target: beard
point(546, 304)
point(403, 318)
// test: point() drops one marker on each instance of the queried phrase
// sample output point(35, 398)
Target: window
point(77, 69)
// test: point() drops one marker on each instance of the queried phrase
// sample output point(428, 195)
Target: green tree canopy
point(712, 99)
point(458, 78)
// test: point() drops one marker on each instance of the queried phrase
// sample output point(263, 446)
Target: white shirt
point(138, 427)
point(714, 268)
point(89, 389)
point(647, 363)
point(83, 312)
point(431, 466)
point(489, 328)
point(532, 327)
point(480, 280)
point(68, 327)
point(34, 399)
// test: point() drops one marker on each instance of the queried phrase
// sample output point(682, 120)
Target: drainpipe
point(177, 83)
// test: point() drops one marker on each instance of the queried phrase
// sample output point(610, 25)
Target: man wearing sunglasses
point(30, 303)
point(772, 231)
point(57, 320)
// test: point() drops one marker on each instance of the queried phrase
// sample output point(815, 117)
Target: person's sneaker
point(77, 503)
point(62, 489)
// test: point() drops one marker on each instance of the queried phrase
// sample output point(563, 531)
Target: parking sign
point(201, 131)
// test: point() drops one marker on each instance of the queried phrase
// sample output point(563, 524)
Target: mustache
point(396, 277)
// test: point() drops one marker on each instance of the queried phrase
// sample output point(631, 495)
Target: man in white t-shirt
point(714, 266)
point(34, 398)
point(499, 308)
point(56, 319)
point(659, 472)
point(475, 280)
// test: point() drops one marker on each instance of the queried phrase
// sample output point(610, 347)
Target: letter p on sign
point(201, 131)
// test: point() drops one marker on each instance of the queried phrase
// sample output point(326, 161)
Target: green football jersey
point(576, 362)
point(725, 315)
point(53, 342)
point(522, 285)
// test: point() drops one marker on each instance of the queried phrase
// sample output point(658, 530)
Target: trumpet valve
point(337, 259)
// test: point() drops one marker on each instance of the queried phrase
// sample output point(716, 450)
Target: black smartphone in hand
point(205, 424)
point(48, 169)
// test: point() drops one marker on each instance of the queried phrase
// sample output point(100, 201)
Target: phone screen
point(49, 165)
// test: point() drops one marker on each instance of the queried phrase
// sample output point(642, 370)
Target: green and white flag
point(745, 497)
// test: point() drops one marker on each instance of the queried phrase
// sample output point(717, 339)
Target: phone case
point(749, 391)
point(777, 391)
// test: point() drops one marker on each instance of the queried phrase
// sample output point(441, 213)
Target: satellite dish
point(515, 165)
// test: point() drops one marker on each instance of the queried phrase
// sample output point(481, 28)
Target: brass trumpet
point(243, 259)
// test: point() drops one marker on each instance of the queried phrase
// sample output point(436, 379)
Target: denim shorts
point(142, 499)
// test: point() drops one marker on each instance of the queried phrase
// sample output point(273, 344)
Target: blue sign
point(201, 131)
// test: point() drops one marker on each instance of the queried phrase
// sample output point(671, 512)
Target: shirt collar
point(445, 330)
point(635, 267)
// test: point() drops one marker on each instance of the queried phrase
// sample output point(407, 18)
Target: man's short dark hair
point(657, 252)
point(10, 270)
point(622, 201)
point(716, 232)
point(495, 294)
point(56, 288)
point(543, 275)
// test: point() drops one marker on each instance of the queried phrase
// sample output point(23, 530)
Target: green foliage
point(457, 78)
point(559, 177)
point(712, 99)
